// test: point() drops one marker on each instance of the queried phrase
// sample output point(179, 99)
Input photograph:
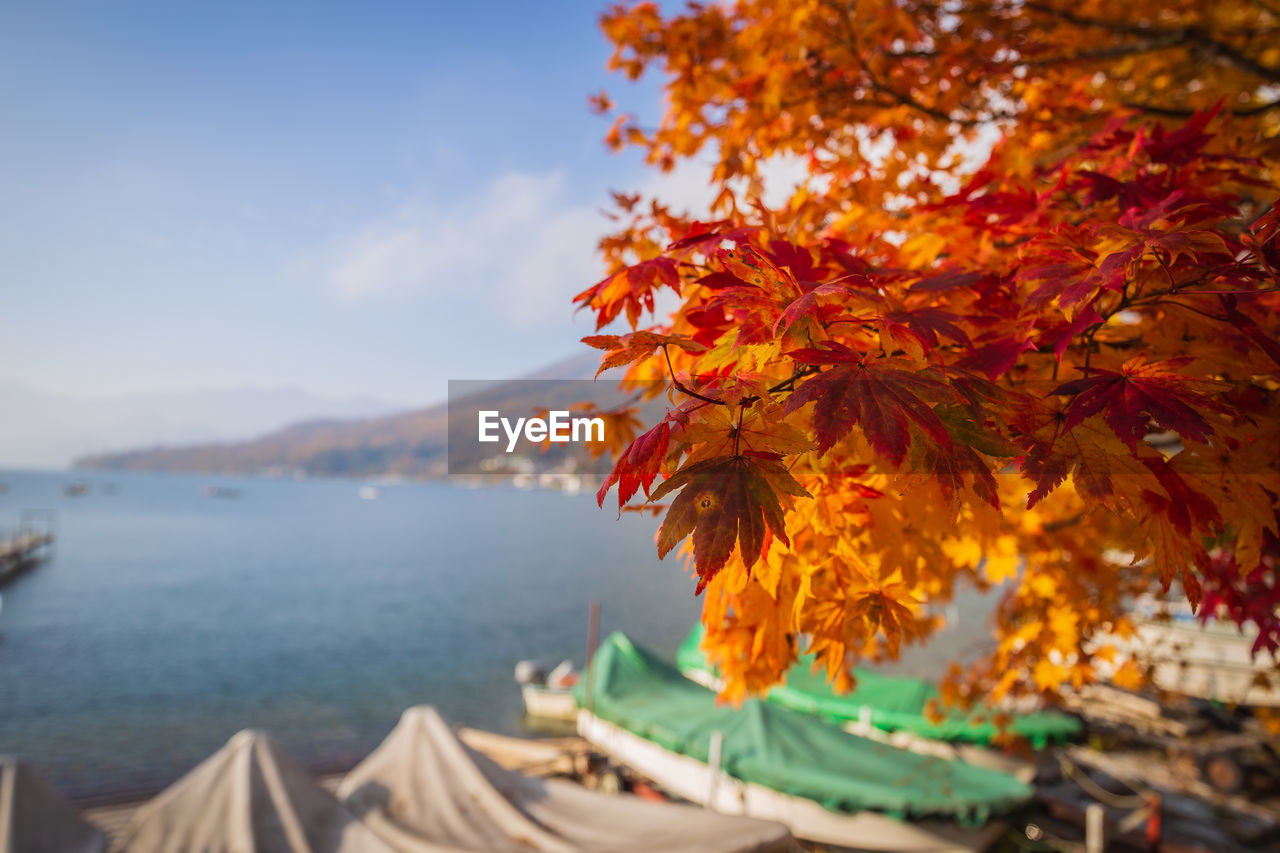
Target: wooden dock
point(21, 551)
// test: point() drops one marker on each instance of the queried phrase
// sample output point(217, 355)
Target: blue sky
point(365, 199)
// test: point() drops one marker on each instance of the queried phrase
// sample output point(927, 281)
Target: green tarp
point(784, 750)
point(893, 703)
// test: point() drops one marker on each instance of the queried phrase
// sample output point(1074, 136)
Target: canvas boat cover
point(248, 797)
point(785, 750)
point(35, 819)
point(424, 791)
point(889, 702)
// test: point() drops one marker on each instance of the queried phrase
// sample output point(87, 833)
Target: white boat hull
point(549, 703)
point(694, 781)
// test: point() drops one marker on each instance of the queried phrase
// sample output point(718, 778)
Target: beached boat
point(766, 761)
point(423, 789)
point(1211, 660)
point(894, 709)
point(249, 795)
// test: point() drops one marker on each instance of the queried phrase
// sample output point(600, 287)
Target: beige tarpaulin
point(34, 819)
point(424, 791)
point(248, 797)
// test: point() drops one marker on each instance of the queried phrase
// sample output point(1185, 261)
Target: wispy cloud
point(520, 245)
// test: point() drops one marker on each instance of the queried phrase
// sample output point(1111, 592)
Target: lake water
point(167, 620)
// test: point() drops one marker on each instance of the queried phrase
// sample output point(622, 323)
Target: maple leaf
point(886, 609)
point(706, 237)
point(1087, 452)
point(625, 349)
point(1245, 324)
point(720, 432)
point(722, 501)
point(1242, 486)
point(953, 280)
point(928, 322)
point(1067, 276)
point(631, 290)
point(600, 103)
point(1138, 393)
point(752, 266)
point(1170, 552)
point(959, 462)
point(638, 465)
point(997, 356)
point(806, 305)
point(880, 395)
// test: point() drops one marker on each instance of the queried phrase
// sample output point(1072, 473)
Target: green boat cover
point(893, 703)
point(784, 750)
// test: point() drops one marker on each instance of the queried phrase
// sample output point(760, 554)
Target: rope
point(1131, 801)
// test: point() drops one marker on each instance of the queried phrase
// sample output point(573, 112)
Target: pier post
point(714, 750)
point(593, 640)
point(1094, 828)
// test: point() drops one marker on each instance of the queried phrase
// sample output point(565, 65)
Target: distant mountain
point(409, 444)
point(44, 430)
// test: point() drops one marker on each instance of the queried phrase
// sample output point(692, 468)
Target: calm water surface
point(168, 620)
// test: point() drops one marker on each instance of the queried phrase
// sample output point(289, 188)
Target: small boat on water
point(767, 761)
point(224, 492)
point(77, 489)
point(550, 696)
point(369, 493)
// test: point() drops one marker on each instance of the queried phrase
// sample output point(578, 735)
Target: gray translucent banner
point(545, 428)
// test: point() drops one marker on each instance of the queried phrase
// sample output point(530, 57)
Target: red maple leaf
point(1136, 395)
point(881, 395)
point(631, 289)
point(638, 465)
point(624, 349)
point(725, 500)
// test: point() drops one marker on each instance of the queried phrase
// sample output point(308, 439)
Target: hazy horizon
point(355, 203)
point(345, 207)
point(54, 428)
point(48, 430)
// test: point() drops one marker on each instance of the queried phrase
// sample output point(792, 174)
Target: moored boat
point(424, 789)
point(549, 696)
point(33, 817)
point(895, 709)
point(778, 764)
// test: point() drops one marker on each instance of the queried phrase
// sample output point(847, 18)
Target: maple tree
point(1054, 365)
